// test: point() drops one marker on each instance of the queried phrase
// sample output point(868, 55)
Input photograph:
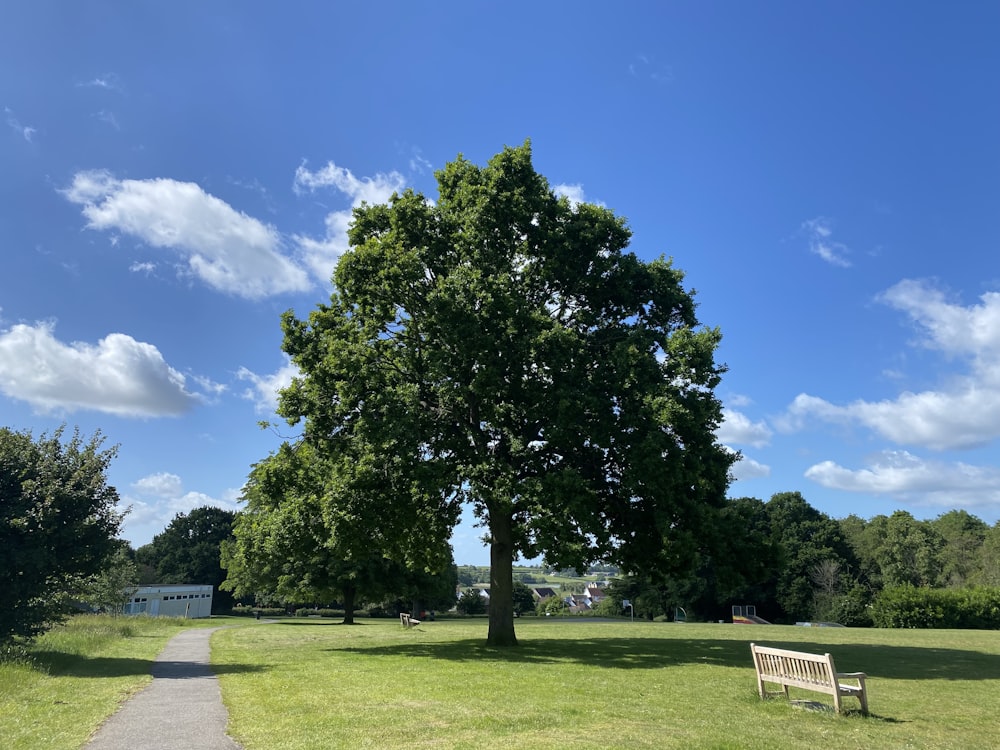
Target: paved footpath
point(180, 710)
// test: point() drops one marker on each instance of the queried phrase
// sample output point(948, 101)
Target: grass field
point(73, 677)
point(588, 684)
point(574, 683)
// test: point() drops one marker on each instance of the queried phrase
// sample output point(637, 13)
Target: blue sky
point(173, 176)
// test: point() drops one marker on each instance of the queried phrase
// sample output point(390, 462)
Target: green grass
point(571, 683)
point(58, 691)
point(588, 684)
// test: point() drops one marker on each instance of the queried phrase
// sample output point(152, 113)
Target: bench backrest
point(796, 667)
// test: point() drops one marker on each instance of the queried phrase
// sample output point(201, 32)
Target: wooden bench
point(807, 671)
point(406, 621)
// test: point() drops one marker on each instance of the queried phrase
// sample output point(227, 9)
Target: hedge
point(910, 607)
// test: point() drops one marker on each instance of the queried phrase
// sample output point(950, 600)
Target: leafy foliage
point(500, 347)
point(524, 600)
point(110, 590)
point(310, 533)
point(471, 602)
point(58, 522)
point(912, 607)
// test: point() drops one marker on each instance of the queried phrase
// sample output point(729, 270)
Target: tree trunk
point(501, 631)
point(349, 596)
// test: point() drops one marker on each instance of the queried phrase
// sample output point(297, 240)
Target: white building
point(171, 600)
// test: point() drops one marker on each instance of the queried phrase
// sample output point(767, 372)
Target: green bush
point(850, 609)
point(471, 602)
point(554, 605)
point(912, 607)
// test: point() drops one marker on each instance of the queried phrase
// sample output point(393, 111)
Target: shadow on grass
point(894, 662)
point(318, 621)
point(57, 663)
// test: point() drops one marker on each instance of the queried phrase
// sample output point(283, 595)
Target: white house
point(171, 600)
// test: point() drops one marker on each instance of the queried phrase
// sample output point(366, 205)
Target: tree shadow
point(891, 662)
point(59, 664)
point(317, 621)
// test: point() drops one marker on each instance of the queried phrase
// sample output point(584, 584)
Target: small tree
point(58, 522)
point(471, 602)
point(554, 605)
point(110, 590)
point(524, 600)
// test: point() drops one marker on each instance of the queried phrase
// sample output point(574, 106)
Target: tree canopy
point(500, 347)
point(309, 533)
point(58, 522)
point(188, 550)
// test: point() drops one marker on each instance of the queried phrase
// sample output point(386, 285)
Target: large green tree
point(58, 522)
point(500, 347)
point(188, 550)
point(808, 540)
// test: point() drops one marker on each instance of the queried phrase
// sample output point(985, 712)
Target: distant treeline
point(796, 563)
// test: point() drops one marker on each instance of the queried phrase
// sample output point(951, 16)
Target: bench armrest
point(852, 675)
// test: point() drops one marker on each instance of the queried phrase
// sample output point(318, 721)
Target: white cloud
point(118, 375)
point(159, 485)
point(748, 468)
point(951, 328)
point(264, 388)
point(573, 193)
point(225, 248)
point(821, 242)
point(736, 428)
point(908, 478)
point(157, 498)
point(321, 255)
point(371, 190)
point(965, 411)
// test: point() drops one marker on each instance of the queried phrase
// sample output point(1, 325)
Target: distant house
point(171, 600)
point(542, 593)
point(596, 593)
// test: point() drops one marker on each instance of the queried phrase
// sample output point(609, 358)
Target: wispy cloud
point(964, 411)
point(821, 242)
point(25, 131)
point(117, 375)
point(108, 118)
point(648, 68)
point(225, 248)
point(916, 481)
point(322, 254)
point(107, 81)
point(419, 164)
point(264, 389)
